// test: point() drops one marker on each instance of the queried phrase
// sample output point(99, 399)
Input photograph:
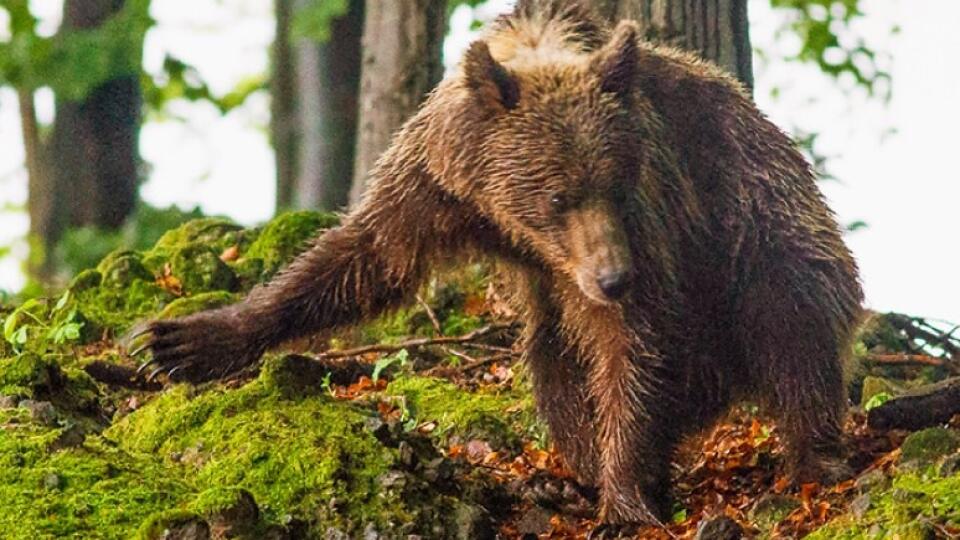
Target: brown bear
point(668, 246)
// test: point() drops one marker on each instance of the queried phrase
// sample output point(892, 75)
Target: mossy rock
point(930, 444)
point(214, 232)
point(914, 498)
point(294, 456)
point(30, 376)
point(286, 236)
point(120, 269)
point(189, 305)
point(497, 419)
point(199, 269)
point(99, 492)
point(173, 524)
point(116, 309)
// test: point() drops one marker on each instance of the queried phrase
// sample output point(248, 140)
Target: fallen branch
point(904, 359)
point(923, 407)
point(420, 343)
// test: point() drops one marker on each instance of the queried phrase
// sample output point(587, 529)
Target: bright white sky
point(904, 184)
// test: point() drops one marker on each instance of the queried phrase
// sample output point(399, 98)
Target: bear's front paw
point(197, 348)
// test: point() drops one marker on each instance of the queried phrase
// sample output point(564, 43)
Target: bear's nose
point(613, 284)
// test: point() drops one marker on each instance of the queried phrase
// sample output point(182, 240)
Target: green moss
point(286, 236)
point(29, 376)
point(217, 233)
point(192, 304)
point(156, 524)
point(199, 269)
point(929, 444)
point(117, 309)
point(913, 499)
point(121, 268)
point(496, 418)
point(86, 280)
point(94, 490)
point(294, 456)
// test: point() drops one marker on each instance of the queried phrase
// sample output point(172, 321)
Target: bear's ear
point(489, 81)
point(616, 63)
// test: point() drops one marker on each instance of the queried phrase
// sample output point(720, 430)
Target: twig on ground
point(904, 359)
point(420, 342)
point(433, 316)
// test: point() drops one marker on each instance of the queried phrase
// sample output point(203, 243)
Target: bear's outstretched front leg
point(373, 262)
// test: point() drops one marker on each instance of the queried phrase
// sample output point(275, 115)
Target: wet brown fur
point(566, 149)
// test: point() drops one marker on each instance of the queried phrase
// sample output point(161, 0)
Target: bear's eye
point(559, 201)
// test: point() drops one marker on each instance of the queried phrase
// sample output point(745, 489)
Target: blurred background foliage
point(84, 56)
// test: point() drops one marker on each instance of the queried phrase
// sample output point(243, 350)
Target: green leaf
point(877, 400)
point(387, 361)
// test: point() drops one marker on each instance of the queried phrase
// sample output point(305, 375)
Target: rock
point(928, 445)
point(52, 481)
point(42, 412)
point(950, 466)
point(8, 402)
point(772, 509)
point(719, 528)
point(535, 521)
point(370, 532)
point(193, 529)
point(238, 518)
point(332, 533)
point(860, 505)
point(877, 385)
point(473, 522)
point(71, 437)
point(871, 480)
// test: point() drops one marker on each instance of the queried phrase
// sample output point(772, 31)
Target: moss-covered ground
point(410, 442)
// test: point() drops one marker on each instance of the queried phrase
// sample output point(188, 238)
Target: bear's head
point(557, 154)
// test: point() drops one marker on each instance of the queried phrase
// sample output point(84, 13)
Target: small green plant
point(400, 358)
point(33, 324)
point(876, 401)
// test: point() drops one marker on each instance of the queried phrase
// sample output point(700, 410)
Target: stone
point(42, 412)
point(871, 480)
point(473, 523)
point(928, 445)
point(719, 528)
point(950, 466)
point(772, 509)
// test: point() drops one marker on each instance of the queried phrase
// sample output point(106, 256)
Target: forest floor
point(418, 425)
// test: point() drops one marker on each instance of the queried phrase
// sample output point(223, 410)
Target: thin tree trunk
point(283, 117)
point(328, 77)
point(715, 29)
point(39, 189)
point(402, 42)
point(93, 155)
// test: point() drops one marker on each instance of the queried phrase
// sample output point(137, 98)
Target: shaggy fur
point(669, 248)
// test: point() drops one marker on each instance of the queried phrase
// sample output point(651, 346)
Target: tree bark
point(93, 156)
point(283, 106)
point(328, 81)
point(717, 30)
point(402, 42)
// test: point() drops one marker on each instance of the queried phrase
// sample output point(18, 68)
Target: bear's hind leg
point(793, 348)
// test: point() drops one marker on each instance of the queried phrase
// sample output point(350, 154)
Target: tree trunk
point(283, 106)
point(328, 82)
point(715, 29)
point(87, 172)
point(402, 42)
